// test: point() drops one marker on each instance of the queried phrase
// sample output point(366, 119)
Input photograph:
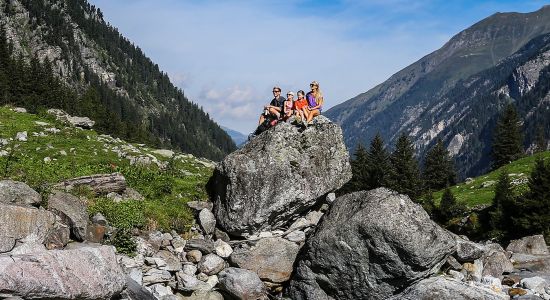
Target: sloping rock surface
point(72, 211)
point(369, 245)
point(83, 273)
point(19, 222)
point(13, 192)
point(278, 174)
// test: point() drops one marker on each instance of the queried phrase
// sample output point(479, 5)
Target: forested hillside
point(94, 71)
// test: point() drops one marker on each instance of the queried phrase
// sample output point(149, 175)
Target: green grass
point(74, 152)
point(479, 191)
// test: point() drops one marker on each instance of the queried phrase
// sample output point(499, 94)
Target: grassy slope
point(480, 191)
point(166, 190)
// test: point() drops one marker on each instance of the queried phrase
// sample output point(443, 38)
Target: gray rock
point(331, 197)
point(156, 276)
point(220, 235)
point(468, 251)
point(171, 262)
point(201, 295)
point(19, 109)
point(446, 288)
point(222, 249)
point(207, 221)
point(271, 258)
point(159, 290)
point(136, 275)
point(204, 246)
point(251, 189)
point(456, 275)
point(529, 245)
point(492, 283)
point(72, 211)
point(29, 244)
point(6, 244)
point(82, 122)
point(99, 219)
point(473, 271)
point(368, 246)
point(19, 222)
point(21, 136)
point(242, 284)
point(13, 192)
point(194, 256)
point(189, 269)
point(134, 291)
point(211, 264)
point(189, 283)
point(296, 236)
point(59, 235)
point(453, 263)
point(496, 264)
point(200, 205)
point(84, 273)
point(535, 284)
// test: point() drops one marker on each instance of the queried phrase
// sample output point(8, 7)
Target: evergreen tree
point(534, 216)
point(449, 208)
point(405, 174)
point(428, 203)
point(439, 171)
point(507, 138)
point(359, 170)
point(540, 141)
point(378, 164)
point(502, 208)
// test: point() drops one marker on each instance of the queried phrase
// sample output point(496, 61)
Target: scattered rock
point(242, 284)
point(331, 197)
point(496, 264)
point(164, 153)
point(13, 192)
point(200, 205)
point(204, 246)
point(220, 235)
point(493, 283)
point(21, 136)
point(59, 236)
point(155, 276)
point(84, 273)
point(194, 256)
point(99, 219)
point(82, 122)
point(453, 263)
point(171, 262)
point(19, 222)
point(189, 269)
point(189, 283)
point(468, 251)
point(529, 245)
point(211, 264)
point(513, 292)
point(536, 284)
point(271, 258)
point(101, 184)
point(72, 211)
point(296, 236)
point(385, 253)
point(250, 186)
point(207, 221)
point(19, 109)
point(222, 249)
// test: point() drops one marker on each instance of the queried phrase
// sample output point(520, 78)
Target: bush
point(124, 242)
point(122, 215)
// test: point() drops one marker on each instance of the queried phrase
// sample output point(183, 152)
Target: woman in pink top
point(288, 106)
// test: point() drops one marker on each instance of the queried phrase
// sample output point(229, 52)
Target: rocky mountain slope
point(427, 99)
point(89, 54)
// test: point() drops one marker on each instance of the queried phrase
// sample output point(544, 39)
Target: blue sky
point(227, 55)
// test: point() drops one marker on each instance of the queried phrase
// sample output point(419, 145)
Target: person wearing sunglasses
point(315, 101)
point(275, 107)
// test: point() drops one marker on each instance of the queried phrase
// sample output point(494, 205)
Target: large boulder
point(19, 222)
point(72, 211)
point(242, 284)
point(271, 258)
point(278, 174)
point(446, 288)
point(13, 192)
point(369, 245)
point(83, 273)
point(529, 245)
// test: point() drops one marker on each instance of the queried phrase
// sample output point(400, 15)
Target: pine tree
point(507, 138)
point(439, 170)
point(405, 174)
point(449, 208)
point(428, 203)
point(502, 208)
point(359, 170)
point(378, 164)
point(540, 141)
point(534, 216)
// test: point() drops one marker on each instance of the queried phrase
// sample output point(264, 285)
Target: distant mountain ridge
point(418, 100)
point(88, 53)
point(236, 136)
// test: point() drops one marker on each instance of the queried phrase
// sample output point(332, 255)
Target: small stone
point(47, 159)
point(221, 235)
point(189, 269)
point(456, 275)
point(510, 281)
point(265, 234)
point(222, 249)
point(211, 264)
point(172, 263)
point(453, 263)
point(331, 197)
point(194, 256)
point(19, 110)
point(202, 277)
point(189, 283)
point(204, 246)
point(136, 275)
point(493, 283)
point(160, 290)
point(296, 236)
point(21, 136)
point(200, 205)
point(241, 284)
point(63, 152)
point(513, 292)
point(468, 251)
point(314, 216)
point(207, 221)
point(156, 276)
point(529, 245)
point(99, 219)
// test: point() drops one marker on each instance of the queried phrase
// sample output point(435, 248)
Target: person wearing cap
point(288, 106)
point(315, 101)
point(275, 107)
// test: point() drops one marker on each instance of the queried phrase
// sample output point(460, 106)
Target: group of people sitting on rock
point(304, 108)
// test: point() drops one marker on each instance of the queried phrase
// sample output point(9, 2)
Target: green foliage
point(124, 242)
point(502, 209)
point(507, 139)
point(428, 204)
point(404, 174)
point(359, 171)
point(122, 215)
point(439, 171)
point(378, 164)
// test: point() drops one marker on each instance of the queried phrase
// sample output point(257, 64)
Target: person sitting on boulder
point(275, 107)
point(315, 101)
point(300, 107)
point(288, 107)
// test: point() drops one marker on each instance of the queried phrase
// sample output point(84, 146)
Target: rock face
point(270, 258)
point(445, 288)
point(278, 174)
point(83, 122)
point(369, 245)
point(13, 192)
point(72, 212)
point(84, 273)
point(20, 222)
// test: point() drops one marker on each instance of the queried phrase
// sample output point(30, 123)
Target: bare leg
point(262, 118)
point(312, 114)
point(275, 112)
